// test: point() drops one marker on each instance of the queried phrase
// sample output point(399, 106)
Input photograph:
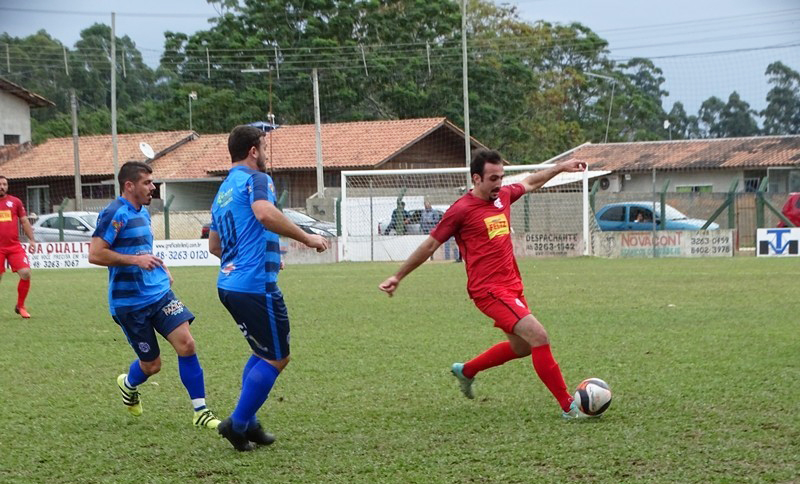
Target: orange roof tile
point(723, 153)
point(344, 145)
point(54, 158)
point(186, 155)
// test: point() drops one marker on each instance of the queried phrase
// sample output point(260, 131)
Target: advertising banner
point(778, 242)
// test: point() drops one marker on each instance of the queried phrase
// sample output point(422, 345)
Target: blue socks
point(256, 386)
point(135, 375)
point(248, 366)
point(192, 378)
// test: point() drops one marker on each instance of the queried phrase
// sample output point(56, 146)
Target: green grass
point(702, 356)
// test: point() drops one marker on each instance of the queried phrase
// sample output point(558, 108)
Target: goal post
point(383, 214)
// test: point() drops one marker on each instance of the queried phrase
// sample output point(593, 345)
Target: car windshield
point(90, 218)
point(299, 218)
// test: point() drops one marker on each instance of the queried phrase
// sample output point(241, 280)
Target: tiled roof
point(360, 144)
point(185, 155)
point(54, 158)
point(724, 153)
point(33, 99)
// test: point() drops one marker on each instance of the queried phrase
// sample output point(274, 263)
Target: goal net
point(383, 213)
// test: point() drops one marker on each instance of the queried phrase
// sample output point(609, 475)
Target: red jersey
point(482, 230)
point(11, 209)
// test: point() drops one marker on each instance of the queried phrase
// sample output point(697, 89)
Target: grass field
point(702, 355)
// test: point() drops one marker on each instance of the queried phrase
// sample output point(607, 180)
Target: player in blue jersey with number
point(244, 235)
point(139, 293)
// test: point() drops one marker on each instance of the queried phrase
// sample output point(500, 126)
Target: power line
point(95, 12)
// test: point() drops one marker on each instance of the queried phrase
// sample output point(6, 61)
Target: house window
point(39, 199)
point(95, 191)
point(10, 139)
point(752, 179)
point(694, 189)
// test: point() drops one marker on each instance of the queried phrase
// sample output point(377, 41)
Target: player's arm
point(100, 254)
point(28, 229)
point(420, 255)
point(275, 221)
point(540, 177)
point(214, 243)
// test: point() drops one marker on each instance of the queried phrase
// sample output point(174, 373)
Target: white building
point(15, 112)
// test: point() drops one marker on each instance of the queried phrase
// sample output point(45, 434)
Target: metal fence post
point(166, 216)
point(61, 220)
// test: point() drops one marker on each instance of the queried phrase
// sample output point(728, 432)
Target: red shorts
point(16, 256)
point(505, 308)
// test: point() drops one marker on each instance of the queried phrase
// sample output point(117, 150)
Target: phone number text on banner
point(75, 255)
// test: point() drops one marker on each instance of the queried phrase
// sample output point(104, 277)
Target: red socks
point(550, 374)
point(494, 356)
point(22, 292)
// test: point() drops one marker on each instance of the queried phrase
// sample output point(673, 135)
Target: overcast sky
point(686, 38)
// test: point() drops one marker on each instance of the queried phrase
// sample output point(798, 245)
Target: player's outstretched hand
point(149, 262)
point(389, 285)
point(573, 165)
point(317, 242)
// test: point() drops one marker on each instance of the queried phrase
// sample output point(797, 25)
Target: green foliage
point(782, 114)
point(531, 95)
point(699, 353)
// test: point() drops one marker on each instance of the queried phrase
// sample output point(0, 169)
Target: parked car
point(791, 210)
point(309, 224)
point(639, 216)
point(413, 226)
point(78, 227)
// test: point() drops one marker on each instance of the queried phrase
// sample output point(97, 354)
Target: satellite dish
point(666, 124)
point(147, 150)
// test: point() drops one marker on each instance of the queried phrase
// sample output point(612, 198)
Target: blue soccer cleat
point(573, 413)
point(465, 383)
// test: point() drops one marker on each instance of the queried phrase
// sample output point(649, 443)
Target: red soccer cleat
point(22, 311)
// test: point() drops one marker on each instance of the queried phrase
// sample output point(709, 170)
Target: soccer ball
point(593, 396)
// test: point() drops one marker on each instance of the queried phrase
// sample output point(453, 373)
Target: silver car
point(78, 227)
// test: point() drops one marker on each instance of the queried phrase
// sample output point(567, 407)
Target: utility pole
point(75, 152)
point(465, 82)
point(318, 136)
point(114, 101)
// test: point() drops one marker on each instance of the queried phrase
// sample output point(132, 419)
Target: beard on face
point(148, 198)
point(261, 163)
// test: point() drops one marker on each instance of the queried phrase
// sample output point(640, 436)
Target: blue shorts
point(140, 325)
point(263, 320)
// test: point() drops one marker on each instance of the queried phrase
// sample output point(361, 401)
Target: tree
point(682, 125)
point(736, 118)
point(709, 117)
point(782, 114)
point(641, 106)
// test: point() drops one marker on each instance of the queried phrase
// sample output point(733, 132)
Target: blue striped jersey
point(127, 231)
point(251, 255)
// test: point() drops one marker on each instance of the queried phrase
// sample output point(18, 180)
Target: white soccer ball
point(593, 396)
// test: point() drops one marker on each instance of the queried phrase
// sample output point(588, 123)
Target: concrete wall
point(190, 196)
point(720, 180)
point(15, 117)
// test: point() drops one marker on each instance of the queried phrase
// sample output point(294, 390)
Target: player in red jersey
point(12, 213)
point(481, 224)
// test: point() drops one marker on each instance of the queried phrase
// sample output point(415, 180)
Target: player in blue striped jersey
point(139, 294)
point(244, 235)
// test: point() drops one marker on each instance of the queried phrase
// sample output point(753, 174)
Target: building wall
point(190, 195)
point(15, 117)
point(720, 180)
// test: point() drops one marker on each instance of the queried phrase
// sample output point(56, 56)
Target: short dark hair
point(241, 139)
point(480, 158)
point(132, 171)
point(3, 177)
